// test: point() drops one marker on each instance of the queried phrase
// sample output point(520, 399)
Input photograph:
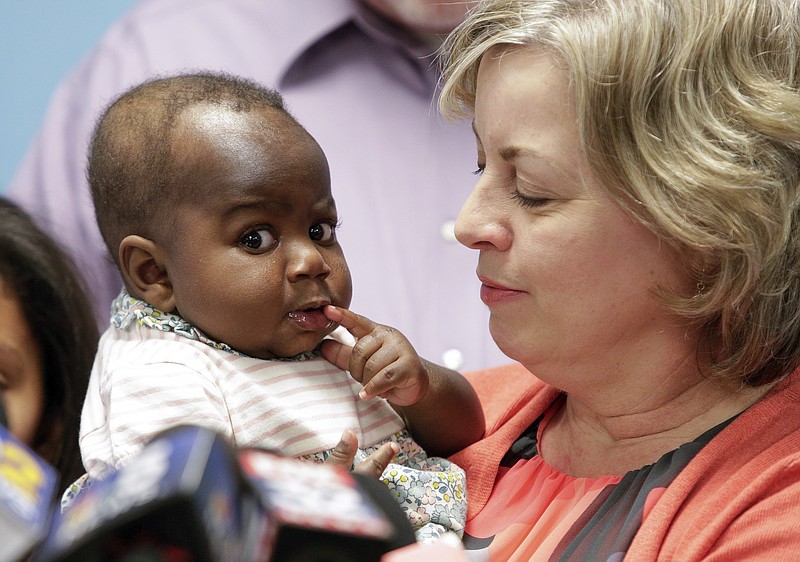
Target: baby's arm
point(439, 406)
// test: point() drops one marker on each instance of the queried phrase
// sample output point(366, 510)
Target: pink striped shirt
point(145, 380)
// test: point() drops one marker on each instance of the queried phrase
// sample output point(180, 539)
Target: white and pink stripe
point(145, 381)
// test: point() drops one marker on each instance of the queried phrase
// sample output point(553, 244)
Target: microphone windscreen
point(182, 496)
point(322, 513)
point(440, 550)
point(27, 488)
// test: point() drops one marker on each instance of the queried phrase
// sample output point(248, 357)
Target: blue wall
point(40, 41)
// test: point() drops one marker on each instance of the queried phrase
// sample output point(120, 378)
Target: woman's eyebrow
point(540, 160)
point(511, 152)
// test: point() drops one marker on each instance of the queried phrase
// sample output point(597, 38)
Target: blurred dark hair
point(54, 301)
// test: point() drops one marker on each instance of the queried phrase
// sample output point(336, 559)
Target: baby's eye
point(322, 232)
point(260, 239)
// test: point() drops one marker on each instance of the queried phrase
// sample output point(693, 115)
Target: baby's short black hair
point(129, 168)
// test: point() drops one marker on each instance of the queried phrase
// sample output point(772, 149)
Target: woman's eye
point(528, 201)
point(260, 239)
point(322, 232)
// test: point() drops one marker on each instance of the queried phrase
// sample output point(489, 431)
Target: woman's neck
point(613, 434)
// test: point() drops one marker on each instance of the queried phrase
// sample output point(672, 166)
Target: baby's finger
point(377, 386)
point(345, 451)
point(354, 323)
point(337, 353)
point(362, 356)
point(393, 382)
point(382, 371)
point(376, 463)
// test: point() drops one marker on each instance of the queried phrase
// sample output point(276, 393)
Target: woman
point(637, 221)
point(48, 338)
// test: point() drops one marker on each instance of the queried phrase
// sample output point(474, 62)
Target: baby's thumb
point(345, 451)
point(337, 353)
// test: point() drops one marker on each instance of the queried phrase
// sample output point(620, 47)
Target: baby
point(216, 205)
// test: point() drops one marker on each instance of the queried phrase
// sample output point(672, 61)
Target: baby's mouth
point(311, 319)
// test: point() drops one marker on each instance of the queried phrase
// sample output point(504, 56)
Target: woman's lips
point(493, 293)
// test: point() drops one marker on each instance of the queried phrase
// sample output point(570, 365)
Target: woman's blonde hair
point(689, 113)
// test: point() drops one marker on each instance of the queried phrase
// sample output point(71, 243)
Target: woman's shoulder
point(735, 496)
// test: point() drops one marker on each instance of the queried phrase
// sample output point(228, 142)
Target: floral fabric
point(431, 490)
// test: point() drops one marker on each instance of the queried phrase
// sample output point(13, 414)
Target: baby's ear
point(143, 265)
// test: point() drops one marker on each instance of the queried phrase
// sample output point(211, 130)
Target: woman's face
point(21, 382)
point(567, 276)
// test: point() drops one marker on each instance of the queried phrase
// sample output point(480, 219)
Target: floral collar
point(126, 309)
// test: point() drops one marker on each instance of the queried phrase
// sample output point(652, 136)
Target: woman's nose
point(481, 224)
point(305, 261)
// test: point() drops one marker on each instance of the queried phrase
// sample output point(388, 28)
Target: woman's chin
point(508, 341)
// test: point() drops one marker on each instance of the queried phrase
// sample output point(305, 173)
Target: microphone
point(189, 497)
point(27, 489)
point(182, 499)
point(323, 513)
point(447, 548)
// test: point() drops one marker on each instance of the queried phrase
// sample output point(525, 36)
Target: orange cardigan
point(738, 499)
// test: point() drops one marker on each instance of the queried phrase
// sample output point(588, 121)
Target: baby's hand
point(382, 359)
point(345, 453)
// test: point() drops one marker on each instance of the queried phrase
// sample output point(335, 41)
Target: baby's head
point(216, 205)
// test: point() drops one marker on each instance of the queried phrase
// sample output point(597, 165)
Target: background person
point(637, 219)
point(48, 338)
point(361, 77)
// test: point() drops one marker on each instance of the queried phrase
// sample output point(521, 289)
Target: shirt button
point(448, 231)
point(453, 359)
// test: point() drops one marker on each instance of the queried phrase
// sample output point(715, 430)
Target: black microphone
point(27, 488)
point(323, 513)
point(183, 498)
